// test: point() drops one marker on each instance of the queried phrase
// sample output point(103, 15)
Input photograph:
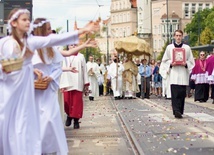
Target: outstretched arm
point(74, 50)
point(91, 27)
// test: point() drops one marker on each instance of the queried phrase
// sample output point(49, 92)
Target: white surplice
point(164, 72)
point(102, 73)
point(178, 75)
point(94, 87)
point(116, 83)
point(20, 134)
point(52, 128)
point(78, 80)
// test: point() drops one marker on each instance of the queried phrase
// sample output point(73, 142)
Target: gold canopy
point(133, 45)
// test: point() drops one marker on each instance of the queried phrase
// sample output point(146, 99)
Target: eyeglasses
point(201, 54)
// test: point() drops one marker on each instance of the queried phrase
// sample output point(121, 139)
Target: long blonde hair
point(14, 34)
point(41, 31)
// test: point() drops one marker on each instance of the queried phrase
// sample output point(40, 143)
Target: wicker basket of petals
point(13, 64)
point(39, 83)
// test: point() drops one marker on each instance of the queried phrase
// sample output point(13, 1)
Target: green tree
point(206, 36)
point(209, 21)
point(160, 56)
point(58, 29)
point(90, 51)
point(199, 22)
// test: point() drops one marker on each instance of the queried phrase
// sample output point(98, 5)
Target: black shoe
point(178, 114)
point(76, 123)
point(68, 121)
point(121, 97)
point(116, 98)
point(91, 98)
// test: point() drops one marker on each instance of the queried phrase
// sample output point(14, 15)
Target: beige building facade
point(180, 13)
point(149, 19)
point(122, 23)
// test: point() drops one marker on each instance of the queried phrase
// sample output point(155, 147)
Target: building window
point(156, 12)
point(128, 31)
point(207, 6)
point(113, 6)
point(155, 29)
point(159, 29)
point(124, 17)
point(117, 32)
point(193, 9)
point(124, 32)
point(1, 29)
point(186, 10)
point(200, 6)
point(117, 19)
point(124, 4)
point(155, 44)
point(160, 44)
point(163, 28)
point(128, 17)
point(140, 29)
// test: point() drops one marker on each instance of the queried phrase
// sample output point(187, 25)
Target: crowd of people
point(30, 119)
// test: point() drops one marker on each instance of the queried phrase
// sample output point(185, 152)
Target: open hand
point(47, 79)
point(90, 43)
point(37, 71)
point(73, 70)
point(91, 27)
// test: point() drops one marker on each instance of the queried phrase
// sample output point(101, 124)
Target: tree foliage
point(201, 20)
point(58, 29)
point(160, 56)
point(206, 36)
point(95, 52)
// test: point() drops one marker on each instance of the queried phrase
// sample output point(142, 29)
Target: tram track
point(192, 131)
point(137, 150)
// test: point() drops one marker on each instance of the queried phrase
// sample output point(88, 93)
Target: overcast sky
point(59, 11)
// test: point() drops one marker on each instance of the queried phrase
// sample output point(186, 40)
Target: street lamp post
point(199, 28)
point(167, 20)
point(107, 37)
point(67, 31)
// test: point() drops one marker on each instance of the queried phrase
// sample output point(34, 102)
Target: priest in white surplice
point(178, 74)
point(166, 90)
point(93, 72)
point(116, 71)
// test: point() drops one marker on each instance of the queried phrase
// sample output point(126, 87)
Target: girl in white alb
point(20, 129)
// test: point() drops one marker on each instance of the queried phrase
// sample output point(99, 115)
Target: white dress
point(20, 132)
point(52, 128)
